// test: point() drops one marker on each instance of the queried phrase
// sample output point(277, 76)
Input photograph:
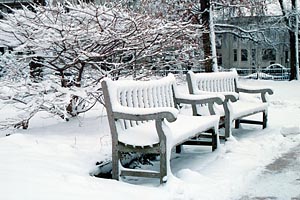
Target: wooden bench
point(235, 108)
point(144, 118)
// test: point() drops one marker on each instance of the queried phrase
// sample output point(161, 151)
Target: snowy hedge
point(62, 53)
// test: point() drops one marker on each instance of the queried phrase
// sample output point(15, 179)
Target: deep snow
point(53, 159)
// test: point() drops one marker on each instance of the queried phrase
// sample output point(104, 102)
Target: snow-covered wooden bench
point(144, 118)
point(235, 107)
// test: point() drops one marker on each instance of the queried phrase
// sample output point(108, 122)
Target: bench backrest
point(212, 82)
point(138, 94)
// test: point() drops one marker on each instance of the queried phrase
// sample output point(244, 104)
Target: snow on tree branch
point(65, 51)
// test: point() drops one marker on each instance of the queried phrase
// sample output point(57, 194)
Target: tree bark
point(36, 69)
point(293, 54)
point(293, 43)
point(205, 5)
point(292, 35)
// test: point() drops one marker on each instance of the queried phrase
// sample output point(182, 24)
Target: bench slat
point(144, 173)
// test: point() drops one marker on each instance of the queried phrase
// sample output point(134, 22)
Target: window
point(235, 55)
point(219, 58)
point(244, 55)
point(253, 57)
point(268, 54)
point(287, 56)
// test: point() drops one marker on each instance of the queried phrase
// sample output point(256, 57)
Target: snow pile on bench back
point(126, 94)
point(214, 82)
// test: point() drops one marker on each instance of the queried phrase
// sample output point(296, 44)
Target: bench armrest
point(262, 91)
point(255, 90)
point(142, 114)
point(194, 99)
point(232, 96)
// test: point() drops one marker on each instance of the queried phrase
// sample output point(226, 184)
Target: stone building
point(267, 45)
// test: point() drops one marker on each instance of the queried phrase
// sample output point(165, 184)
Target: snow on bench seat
point(238, 109)
point(243, 108)
point(184, 128)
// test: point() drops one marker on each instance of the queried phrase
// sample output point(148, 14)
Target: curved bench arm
point(230, 97)
point(142, 114)
point(194, 99)
point(262, 91)
point(199, 99)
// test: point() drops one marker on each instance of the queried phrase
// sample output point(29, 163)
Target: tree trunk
point(205, 7)
point(295, 3)
point(293, 38)
point(293, 54)
point(72, 108)
point(36, 70)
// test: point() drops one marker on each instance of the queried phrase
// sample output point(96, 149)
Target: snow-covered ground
point(53, 159)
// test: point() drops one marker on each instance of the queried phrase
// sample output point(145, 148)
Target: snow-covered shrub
point(62, 53)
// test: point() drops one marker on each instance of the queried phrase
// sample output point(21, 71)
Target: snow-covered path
point(280, 179)
point(281, 175)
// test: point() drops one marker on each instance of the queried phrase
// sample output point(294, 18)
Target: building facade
point(253, 50)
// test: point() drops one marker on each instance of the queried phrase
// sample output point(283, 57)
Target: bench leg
point(214, 139)
point(163, 163)
point(227, 130)
point(265, 120)
point(228, 126)
point(227, 122)
point(115, 164)
point(178, 149)
point(237, 123)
